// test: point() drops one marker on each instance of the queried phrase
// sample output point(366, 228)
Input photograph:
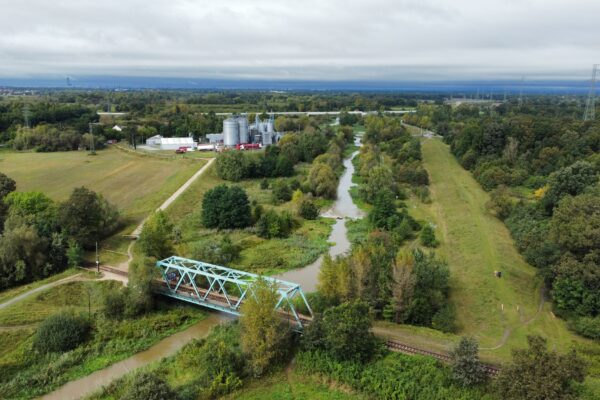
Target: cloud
point(309, 39)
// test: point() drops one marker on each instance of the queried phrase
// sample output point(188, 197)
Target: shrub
point(428, 236)
point(444, 319)
point(308, 210)
point(148, 386)
point(272, 225)
point(74, 254)
point(264, 184)
point(113, 305)
point(281, 192)
point(221, 252)
point(60, 332)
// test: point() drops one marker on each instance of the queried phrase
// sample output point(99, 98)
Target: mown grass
point(8, 294)
point(258, 255)
point(476, 244)
point(137, 185)
point(26, 374)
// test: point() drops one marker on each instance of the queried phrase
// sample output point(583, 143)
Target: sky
point(301, 40)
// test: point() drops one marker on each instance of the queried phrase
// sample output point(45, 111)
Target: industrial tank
point(243, 128)
point(267, 138)
point(231, 132)
point(270, 127)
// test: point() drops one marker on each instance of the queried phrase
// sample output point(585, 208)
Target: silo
point(270, 126)
point(243, 128)
point(231, 132)
point(267, 138)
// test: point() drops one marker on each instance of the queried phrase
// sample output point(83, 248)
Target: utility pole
point(97, 259)
point(590, 105)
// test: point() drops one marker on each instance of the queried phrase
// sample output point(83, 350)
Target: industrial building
point(172, 143)
point(237, 131)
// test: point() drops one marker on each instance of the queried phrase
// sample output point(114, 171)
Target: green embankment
point(499, 312)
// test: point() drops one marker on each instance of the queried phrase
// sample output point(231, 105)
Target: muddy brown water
point(307, 277)
point(165, 348)
point(343, 208)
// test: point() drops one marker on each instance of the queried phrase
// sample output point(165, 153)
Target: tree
point(156, 238)
point(501, 202)
point(323, 181)
point(538, 374)
point(231, 166)
point(378, 178)
point(308, 210)
point(344, 332)
point(87, 217)
point(60, 332)
point(384, 215)
point(148, 386)
point(335, 280)
point(74, 254)
point(264, 334)
point(272, 225)
point(571, 180)
point(403, 285)
point(467, 370)
point(574, 225)
point(140, 298)
point(7, 185)
point(226, 207)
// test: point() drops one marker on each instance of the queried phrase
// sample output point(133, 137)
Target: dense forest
point(541, 164)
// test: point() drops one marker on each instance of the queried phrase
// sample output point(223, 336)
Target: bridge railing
point(225, 289)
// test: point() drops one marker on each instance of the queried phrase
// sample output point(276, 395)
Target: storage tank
point(270, 127)
point(243, 128)
point(267, 138)
point(231, 132)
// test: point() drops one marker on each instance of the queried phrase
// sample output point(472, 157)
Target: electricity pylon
point(590, 105)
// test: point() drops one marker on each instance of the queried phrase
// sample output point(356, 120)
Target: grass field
point(500, 313)
point(136, 185)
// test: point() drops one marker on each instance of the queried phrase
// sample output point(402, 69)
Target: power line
point(590, 106)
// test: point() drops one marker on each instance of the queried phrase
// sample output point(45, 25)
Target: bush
point(444, 319)
point(220, 252)
point(273, 225)
point(147, 386)
point(60, 332)
point(428, 236)
point(113, 305)
point(264, 184)
point(466, 367)
point(281, 192)
point(308, 210)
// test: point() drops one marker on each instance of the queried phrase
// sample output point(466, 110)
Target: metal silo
point(270, 126)
point(231, 132)
point(267, 138)
point(243, 128)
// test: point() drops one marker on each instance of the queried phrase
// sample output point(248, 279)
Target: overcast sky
point(306, 39)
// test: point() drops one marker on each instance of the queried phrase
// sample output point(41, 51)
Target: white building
point(172, 143)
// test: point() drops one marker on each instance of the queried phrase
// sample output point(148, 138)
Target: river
point(343, 208)
point(307, 277)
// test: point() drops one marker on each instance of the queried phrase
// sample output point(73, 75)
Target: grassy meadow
point(258, 255)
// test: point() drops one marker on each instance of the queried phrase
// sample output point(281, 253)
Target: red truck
point(248, 146)
point(181, 150)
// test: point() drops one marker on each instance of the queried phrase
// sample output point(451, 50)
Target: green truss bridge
point(224, 289)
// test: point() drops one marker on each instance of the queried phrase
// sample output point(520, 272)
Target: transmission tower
point(26, 115)
point(590, 105)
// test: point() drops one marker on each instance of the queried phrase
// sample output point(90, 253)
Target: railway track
point(394, 345)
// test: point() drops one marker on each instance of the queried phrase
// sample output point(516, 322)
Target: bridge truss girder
point(224, 289)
